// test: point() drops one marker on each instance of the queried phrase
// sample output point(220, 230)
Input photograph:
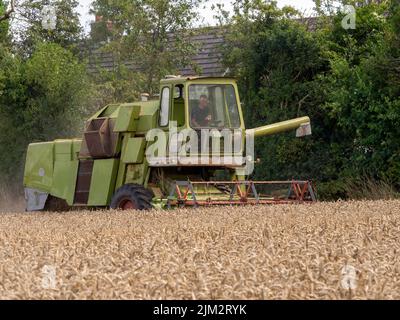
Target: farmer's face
point(203, 102)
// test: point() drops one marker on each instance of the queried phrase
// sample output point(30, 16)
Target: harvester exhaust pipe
point(301, 125)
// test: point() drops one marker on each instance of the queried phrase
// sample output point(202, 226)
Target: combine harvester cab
point(161, 153)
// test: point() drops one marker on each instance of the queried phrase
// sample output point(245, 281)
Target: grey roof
point(207, 57)
point(181, 79)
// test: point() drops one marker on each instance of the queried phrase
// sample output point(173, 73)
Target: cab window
point(178, 106)
point(213, 106)
point(164, 112)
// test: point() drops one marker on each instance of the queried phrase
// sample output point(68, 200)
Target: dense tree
point(277, 62)
point(345, 80)
point(43, 85)
point(41, 98)
point(154, 34)
point(33, 24)
point(363, 96)
point(5, 14)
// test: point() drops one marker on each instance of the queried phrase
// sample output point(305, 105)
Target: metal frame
point(240, 193)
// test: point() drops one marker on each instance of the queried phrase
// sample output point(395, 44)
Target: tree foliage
point(28, 27)
point(347, 81)
point(41, 99)
point(154, 34)
point(4, 24)
point(43, 85)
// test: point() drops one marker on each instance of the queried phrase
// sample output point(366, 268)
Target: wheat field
point(272, 252)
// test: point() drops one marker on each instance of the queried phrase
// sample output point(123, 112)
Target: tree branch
point(8, 13)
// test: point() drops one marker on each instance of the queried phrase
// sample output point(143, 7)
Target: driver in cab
point(201, 115)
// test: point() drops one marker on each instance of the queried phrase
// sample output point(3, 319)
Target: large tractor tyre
point(132, 196)
point(55, 204)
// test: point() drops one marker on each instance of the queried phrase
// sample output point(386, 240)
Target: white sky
point(207, 14)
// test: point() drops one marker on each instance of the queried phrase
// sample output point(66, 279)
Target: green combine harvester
point(161, 153)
